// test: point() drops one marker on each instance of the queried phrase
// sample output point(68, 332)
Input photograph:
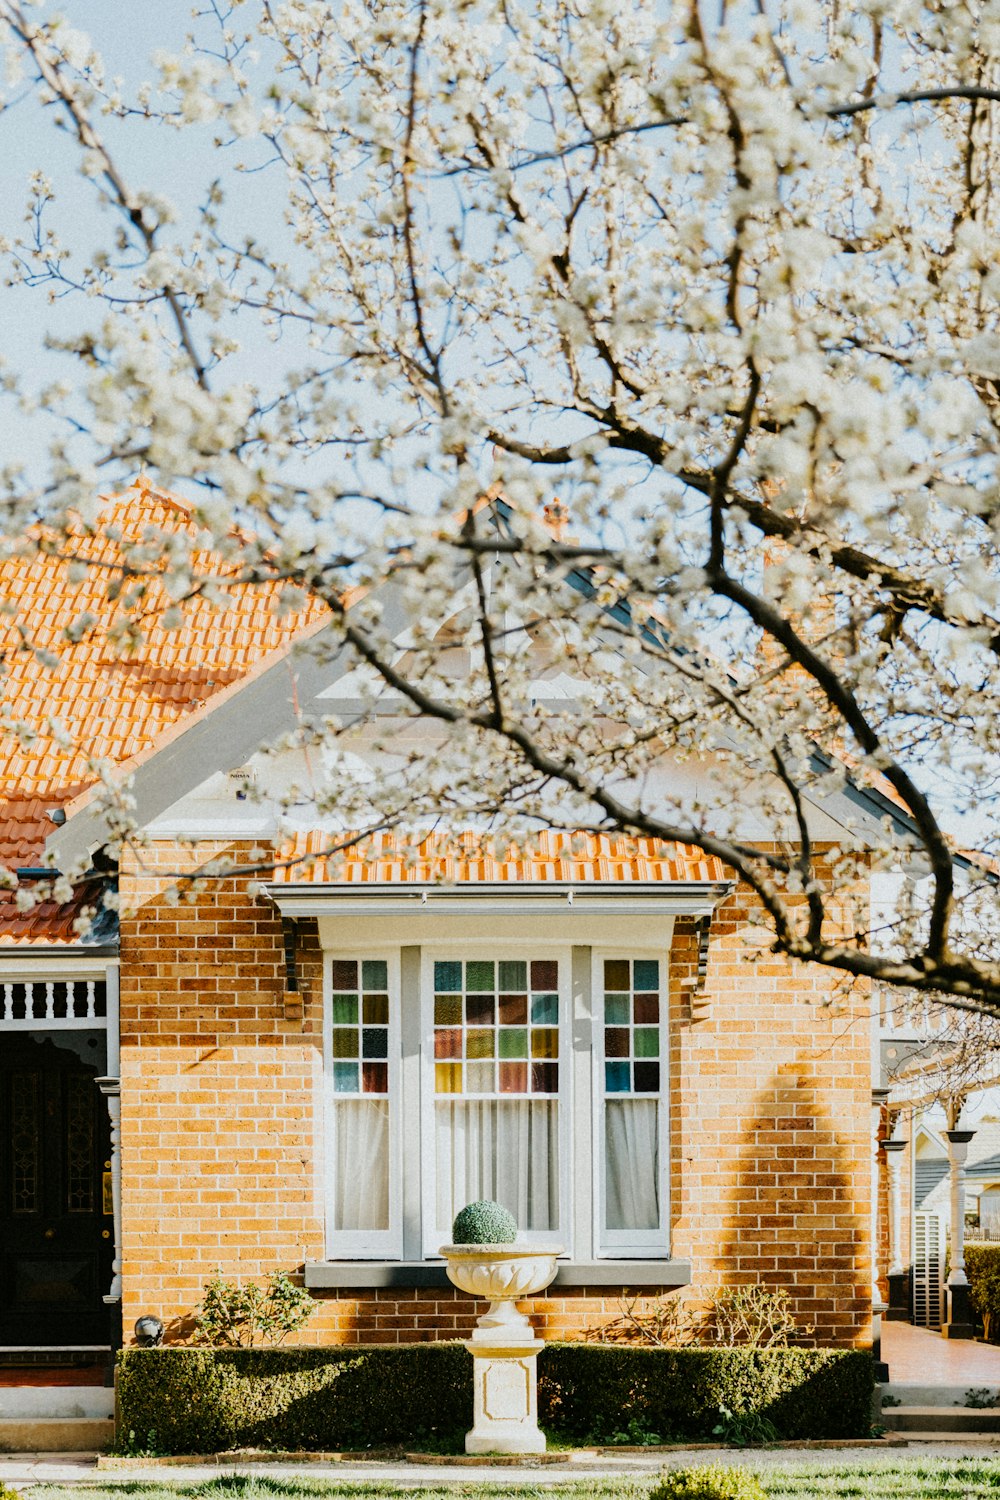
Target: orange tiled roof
point(472, 857)
point(109, 702)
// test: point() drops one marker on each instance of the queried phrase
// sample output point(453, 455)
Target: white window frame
point(433, 1236)
point(622, 1244)
point(380, 1244)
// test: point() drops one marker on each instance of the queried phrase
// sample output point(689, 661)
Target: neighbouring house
point(315, 1069)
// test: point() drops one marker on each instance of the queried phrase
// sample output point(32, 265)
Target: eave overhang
point(395, 898)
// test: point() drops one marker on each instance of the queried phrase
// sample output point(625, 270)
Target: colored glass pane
point(448, 976)
point(545, 1042)
point(345, 974)
point(647, 1077)
point(375, 1009)
point(512, 1041)
point(479, 1044)
point(545, 1078)
point(545, 1010)
point(480, 975)
point(345, 1077)
point(374, 1078)
point(374, 1042)
point(448, 1043)
point(345, 1010)
point(616, 974)
point(616, 1041)
point(513, 975)
point(513, 1078)
point(647, 1010)
point(513, 1010)
point(544, 974)
point(479, 1010)
point(647, 1041)
point(345, 1041)
point(447, 1010)
point(646, 974)
point(448, 1078)
point(616, 1077)
point(479, 1078)
point(374, 974)
point(616, 1010)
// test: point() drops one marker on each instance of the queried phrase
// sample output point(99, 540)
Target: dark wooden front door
point(56, 1241)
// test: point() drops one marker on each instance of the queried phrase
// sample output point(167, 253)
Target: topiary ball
point(484, 1223)
point(710, 1482)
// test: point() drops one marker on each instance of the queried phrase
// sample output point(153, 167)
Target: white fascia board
point(680, 898)
point(55, 961)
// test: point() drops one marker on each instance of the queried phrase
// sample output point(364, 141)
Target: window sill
point(325, 1274)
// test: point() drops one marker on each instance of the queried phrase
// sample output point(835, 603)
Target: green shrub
point(484, 1223)
point(234, 1316)
point(6, 1493)
point(199, 1400)
point(801, 1393)
point(982, 1266)
point(710, 1482)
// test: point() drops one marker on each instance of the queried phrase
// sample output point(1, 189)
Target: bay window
point(523, 1072)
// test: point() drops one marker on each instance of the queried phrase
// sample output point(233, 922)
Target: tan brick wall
point(770, 1157)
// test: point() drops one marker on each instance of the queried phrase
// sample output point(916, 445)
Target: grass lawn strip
point(902, 1479)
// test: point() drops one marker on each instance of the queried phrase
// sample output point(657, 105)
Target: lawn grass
point(879, 1479)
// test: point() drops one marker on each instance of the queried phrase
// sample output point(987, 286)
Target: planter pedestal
point(504, 1348)
point(505, 1395)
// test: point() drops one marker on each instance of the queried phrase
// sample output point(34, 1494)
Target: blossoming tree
point(645, 360)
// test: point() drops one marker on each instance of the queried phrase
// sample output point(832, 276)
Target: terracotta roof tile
point(388, 858)
point(110, 704)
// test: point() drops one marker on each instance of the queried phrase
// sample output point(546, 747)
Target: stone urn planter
point(504, 1347)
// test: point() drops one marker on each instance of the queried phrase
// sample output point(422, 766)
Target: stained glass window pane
point(647, 1010)
point(544, 1042)
point(513, 975)
point(479, 1078)
point(513, 1041)
point(447, 1010)
point(345, 1077)
point(375, 1077)
point(513, 1010)
point(616, 1010)
point(480, 975)
point(374, 974)
point(513, 1078)
point(345, 1010)
point(479, 1044)
point(375, 1042)
point(345, 1041)
point(345, 974)
point(647, 1077)
point(479, 1010)
point(647, 1041)
point(447, 976)
point(448, 1078)
point(616, 1077)
point(616, 974)
point(646, 974)
point(545, 1078)
point(448, 1042)
point(544, 974)
point(376, 1010)
point(544, 1010)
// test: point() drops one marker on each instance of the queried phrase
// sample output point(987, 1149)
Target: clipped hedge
point(193, 1400)
point(803, 1393)
point(184, 1400)
point(982, 1266)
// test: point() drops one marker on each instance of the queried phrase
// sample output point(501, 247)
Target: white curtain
point(504, 1149)
point(631, 1164)
point(361, 1134)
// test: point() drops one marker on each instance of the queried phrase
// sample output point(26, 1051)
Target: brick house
point(314, 1069)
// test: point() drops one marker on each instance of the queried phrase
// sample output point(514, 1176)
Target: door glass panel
point(25, 1102)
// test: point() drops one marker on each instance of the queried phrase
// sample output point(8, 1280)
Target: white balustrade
point(52, 1004)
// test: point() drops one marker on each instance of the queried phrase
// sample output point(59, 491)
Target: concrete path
point(21, 1469)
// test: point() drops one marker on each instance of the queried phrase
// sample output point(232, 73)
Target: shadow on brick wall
point(794, 1220)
